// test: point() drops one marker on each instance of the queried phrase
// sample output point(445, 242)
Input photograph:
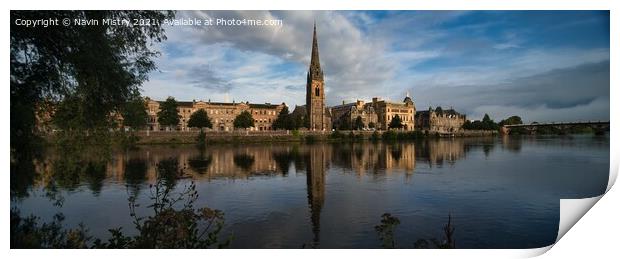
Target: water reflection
point(70, 171)
point(349, 176)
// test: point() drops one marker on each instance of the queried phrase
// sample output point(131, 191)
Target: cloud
point(570, 92)
point(468, 60)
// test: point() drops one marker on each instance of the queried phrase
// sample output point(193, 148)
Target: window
point(317, 92)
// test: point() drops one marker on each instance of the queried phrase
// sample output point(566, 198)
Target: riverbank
point(189, 137)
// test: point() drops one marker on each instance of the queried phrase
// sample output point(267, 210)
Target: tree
point(512, 120)
point(199, 119)
point(396, 123)
point(488, 124)
point(99, 67)
point(168, 114)
point(284, 120)
point(372, 125)
point(359, 123)
point(134, 113)
point(244, 120)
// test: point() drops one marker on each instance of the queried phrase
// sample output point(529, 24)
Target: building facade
point(222, 115)
point(344, 116)
point(386, 111)
point(377, 114)
point(439, 120)
point(318, 116)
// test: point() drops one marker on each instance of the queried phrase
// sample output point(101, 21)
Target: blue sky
point(540, 65)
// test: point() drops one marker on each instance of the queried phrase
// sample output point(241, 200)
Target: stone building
point(439, 120)
point(386, 111)
point(378, 112)
point(318, 115)
point(222, 115)
point(344, 116)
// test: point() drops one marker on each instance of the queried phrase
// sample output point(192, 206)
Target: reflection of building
point(438, 152)
point(222, 115)
point(438, 120)
point(361, 158)
point(315, 178)
point(317, 114)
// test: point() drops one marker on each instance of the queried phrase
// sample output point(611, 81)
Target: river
point(501, 192)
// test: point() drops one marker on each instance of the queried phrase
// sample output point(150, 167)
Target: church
point(316, 115)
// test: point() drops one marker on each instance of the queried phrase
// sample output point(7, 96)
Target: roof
point(263, 106)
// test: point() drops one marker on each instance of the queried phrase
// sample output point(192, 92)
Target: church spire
point(315, 71)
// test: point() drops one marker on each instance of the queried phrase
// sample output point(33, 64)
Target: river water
point(501, 192)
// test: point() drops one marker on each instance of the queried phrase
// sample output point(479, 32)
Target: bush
point(310, 139)
point(389, 135)
point(375, 136)
point(336, 135)
point(201, 139)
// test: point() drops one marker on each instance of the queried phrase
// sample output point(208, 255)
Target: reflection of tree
point(243, 161)
point(285, 158)
point(70, 170)
point(23, 174)
point(397, 152)
point(135, 173)
point(175, 223)
point(168, 172)
point(283, 161)
point(201, 162)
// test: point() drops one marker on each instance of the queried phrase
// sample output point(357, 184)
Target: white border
point(596, 233)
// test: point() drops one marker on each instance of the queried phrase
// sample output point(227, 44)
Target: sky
point(545, 66)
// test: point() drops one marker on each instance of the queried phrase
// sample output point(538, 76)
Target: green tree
point(284, 120)
point(488, 124)
point(396, 123)
point(244, 120)
point(512, 120)
point(387, 229)
point(134, 113)
point(359, 123)
point(168, 114)
point(372, 125)
point(199, 119)
point(99, 67)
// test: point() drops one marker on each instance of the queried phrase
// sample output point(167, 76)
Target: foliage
point(485, 124)
point(284, 120)
point(386, 230)
point(359, 123)
point(388, 225)
point(168, 114)
point(512, 120)
point(372, 125)
point(199, 119)
point(345, 124)
point(244, 120)
point(396, 123)
point(447, 243)
point(134, 113)
point(174, 223)
point(336, 135)
point(243, 161)
point(375, 136)
point(201, 139)
point(94, 69)
point(27, 232)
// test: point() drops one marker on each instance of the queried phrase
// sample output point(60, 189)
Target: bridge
point(599, 127)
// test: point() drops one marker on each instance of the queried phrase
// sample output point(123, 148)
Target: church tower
point(315, 91)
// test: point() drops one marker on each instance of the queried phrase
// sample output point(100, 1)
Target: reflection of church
point(316, 166)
